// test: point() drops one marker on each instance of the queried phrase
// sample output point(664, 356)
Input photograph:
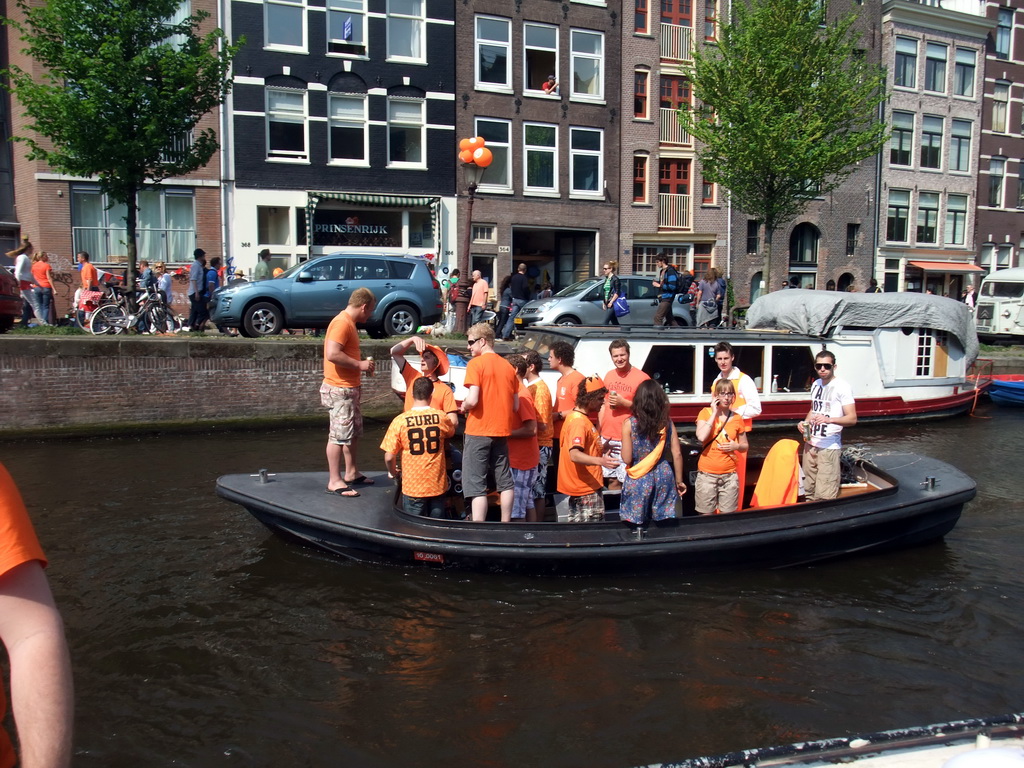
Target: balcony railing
point(671, 132)
point(675, 42)
point(674, 211)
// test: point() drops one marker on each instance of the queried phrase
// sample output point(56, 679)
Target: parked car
point(10, 300)
point(310, 295)
point(580, 304)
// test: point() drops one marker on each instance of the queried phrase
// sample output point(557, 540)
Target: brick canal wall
point(102, 384)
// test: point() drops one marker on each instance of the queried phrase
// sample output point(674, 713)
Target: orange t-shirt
point(578, 432)
point(542, 404)
point(419, 435)
point(41, 272)
point(443, 399)
point(90, 277)
point(523, 452)
point(712, 459)
point(610, 418)
point(18, 544)
point(343, 331)
point(478, 298)
point(565, 396)
point(492, 416)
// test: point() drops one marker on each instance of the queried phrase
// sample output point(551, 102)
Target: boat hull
point(372, 529)
point(1007, 392)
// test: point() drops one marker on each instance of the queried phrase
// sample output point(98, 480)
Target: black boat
point(902, 499)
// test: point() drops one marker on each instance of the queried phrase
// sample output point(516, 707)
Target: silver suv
point(580, 304)
point(311, 293)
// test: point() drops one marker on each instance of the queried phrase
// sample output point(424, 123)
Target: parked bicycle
point(122, 311)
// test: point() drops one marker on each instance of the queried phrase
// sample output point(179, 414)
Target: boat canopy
point(820, 313)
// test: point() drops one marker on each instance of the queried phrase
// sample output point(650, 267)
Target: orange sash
point(648, 462)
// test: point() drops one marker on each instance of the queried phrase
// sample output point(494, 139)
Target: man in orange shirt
point(33, 633)
point(621, 381)
point(433, 363)
point(492, 398)
point(478, 298)
point(419, 435)
point(523, 451)
point(339, 392)
point(90, 275)
point(580, 460)
point(561, 357)
point(545, 430)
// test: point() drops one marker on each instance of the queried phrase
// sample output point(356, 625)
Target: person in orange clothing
point(561, 357)
point(747, 403)
point(542, 403)
point(477, 298)
point(523, 450)
point(433, 363)
point(492, 398)
point(339, 393)
point(43, 274)
point(33, 633)
point(621, 382)
point(580, 459)
point(89, 274)
point(419, 436)
point(721, 430)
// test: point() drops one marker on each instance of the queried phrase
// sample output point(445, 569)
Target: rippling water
point(199, 639)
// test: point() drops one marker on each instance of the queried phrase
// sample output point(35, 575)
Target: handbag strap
point(728, 416)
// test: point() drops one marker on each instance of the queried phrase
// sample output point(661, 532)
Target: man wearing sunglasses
point(832, 408)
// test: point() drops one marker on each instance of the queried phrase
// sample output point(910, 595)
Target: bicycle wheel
point(157, 318)
point(110, 318)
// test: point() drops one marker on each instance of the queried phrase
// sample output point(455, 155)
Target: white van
point(999, 313)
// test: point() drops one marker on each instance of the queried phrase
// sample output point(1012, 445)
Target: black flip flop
point(348, 492)
point(361, 480)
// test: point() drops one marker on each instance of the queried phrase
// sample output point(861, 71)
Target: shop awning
point(378, 201)
point(946, 266)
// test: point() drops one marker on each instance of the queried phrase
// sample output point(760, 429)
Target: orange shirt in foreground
point(578, 432)
point(90, 277)
point(343, 331)
point(443, 399)
point(542, 404)
point(565, 396)
point(713, 460)
point(419, 435)
point(610, 418)
point(523, 452)
point(492, 416)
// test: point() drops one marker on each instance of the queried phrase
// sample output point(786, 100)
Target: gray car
point(580, 304)
point(311, 293)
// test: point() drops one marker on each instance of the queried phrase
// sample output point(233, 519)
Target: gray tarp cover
point(818, 313)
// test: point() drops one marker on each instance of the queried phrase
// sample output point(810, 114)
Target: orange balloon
point(466, 155)
point(475, 143)
point(482, 157)
point(464, 144)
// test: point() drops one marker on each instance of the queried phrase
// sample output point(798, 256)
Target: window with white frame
point(1004, 33)
point(182, 12)
point(641, 94)
point(540, 157)
point(493, 53)
point(406, 132)
point(587, 64)
point(960, 146)
point(497, 134)
point(641, 17)
point(1004, 254)
point(986, 256)
point(1000, 104)
point(348, 137)
point(485, 233)
point(996, 174)
point(586, 161)
point(407, 26)
point(905, 75)
point(284, 24)
point(956, 219)
point(931, 142)
point(901, 140)
point(287, 128)
point(641, 164)
point(898, 214)
point(935, 67)
point(540, 55)
point(166, 226)
point(964, 72)
point(346, 27)
point(928, 217)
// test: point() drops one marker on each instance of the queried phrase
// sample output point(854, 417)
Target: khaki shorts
point(346, 418)
point(822, 470)
point(721, 492)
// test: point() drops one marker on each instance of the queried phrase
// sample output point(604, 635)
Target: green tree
point(122, 88)
point(789, 105)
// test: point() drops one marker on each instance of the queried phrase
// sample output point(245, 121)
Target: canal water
point(199, 639)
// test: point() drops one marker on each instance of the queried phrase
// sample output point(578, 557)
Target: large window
point(406, 133)
point(284, 24)
point(803, 244)
point(674, 177)
point(852, 237)
point(902, 139)
point(996, 174)
point(287, 137)
point(898, 214)
point(641, 16)
point(1004, 33)
point(1000, 104)
point(956, 219)
point(963, 72)
point(928, 217)
point(753, 236)
point(540, 55)
point(960, 146)
point(931, 142)
point(906, 62)
point(348, 138)
point(641, 97)
point(493, 52)
point(497, 134)
point(587, 64)
point(677, 12)
point(710, 19)
point(640, 166)
point(540, 150)
point(935, 67)
point(166, 224)
point(586, 161)
point(346, 27)
point(406, 30)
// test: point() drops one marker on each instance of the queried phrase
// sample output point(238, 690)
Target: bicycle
point(121, 313)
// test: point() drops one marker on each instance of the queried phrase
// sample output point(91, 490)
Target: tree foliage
point(121, 89)
point(789, 106)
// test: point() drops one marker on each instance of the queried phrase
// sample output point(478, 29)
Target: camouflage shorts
point(346, 418)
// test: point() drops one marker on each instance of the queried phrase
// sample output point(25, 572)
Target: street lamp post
point(473, 173)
